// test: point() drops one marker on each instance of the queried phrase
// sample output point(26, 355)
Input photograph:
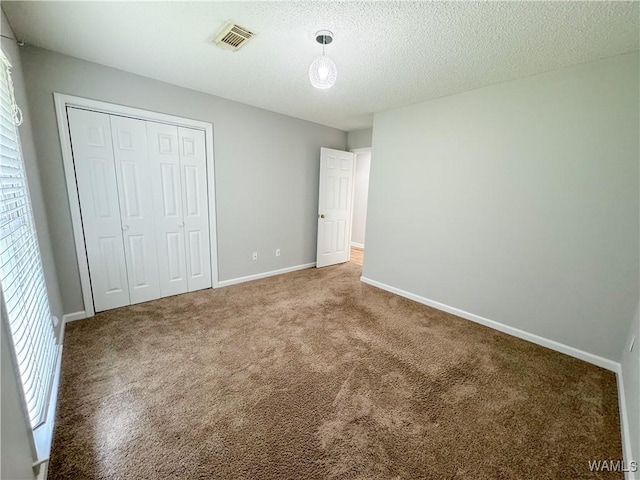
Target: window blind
point(21, 277)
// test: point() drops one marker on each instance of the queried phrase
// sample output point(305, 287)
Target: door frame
point(62, 101)
point(355, 152)
point(351, 197)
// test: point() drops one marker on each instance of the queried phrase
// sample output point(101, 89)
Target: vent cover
point(232, 36)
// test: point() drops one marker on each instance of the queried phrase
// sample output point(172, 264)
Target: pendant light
point(323, 72)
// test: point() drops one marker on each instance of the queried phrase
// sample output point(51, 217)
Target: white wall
point(360, 197)
point(360, 138)
point(630, 363)
point(517, 202)
point(16, 452)
point(266, 165)
point(630, 371)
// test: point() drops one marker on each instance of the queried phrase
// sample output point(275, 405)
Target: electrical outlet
point(277, 252)
point(633, 341)
point(254, 256)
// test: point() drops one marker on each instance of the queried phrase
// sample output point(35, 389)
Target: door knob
point(125, 228)
point(181, 225)
point(322, 215)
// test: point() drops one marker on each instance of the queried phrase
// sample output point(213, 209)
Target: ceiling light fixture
point(323, 72)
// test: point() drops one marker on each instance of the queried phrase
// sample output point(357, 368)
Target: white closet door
point(195, 207)
point(136, 207)
point(98, 192)
point(167, 200)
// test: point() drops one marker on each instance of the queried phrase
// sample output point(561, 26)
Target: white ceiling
point(388, 54)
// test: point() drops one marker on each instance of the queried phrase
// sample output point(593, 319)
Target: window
point(25, 304)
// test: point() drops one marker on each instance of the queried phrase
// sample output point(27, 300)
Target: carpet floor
point(314, 375)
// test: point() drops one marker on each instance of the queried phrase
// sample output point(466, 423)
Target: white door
point(334, 206)
point(167, 200)
point(98, 192)
point(195, 207)
point(136, 207)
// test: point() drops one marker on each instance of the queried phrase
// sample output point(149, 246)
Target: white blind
point(21, 277)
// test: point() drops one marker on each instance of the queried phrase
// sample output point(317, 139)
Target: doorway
point(342, 206)
point(360, 199)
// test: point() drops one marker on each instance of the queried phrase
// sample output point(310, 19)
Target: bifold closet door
point(179, 181)
point(195, 207)
point(98, 192)
point(133, 173)
point(167, 199)
point(144, 206)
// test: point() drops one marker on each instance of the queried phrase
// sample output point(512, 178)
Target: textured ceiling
point(388, 54)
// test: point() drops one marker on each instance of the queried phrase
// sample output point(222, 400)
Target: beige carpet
point(313, 375)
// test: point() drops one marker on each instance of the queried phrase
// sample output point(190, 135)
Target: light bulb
point(323, 72)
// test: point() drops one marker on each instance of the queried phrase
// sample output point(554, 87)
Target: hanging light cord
point(16, 113)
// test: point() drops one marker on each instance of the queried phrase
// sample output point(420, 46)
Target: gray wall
point(518, 202)
point(631, 377)
point(266, 165)
point(360, 197)
point(359, 138)
point(16, 451)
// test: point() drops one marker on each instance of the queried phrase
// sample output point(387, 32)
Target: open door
point(335, 204)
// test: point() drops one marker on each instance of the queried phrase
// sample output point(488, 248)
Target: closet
point(143, 202)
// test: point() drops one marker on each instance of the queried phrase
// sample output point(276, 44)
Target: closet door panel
point(133, 171)
point(195, 206)
point(99, 204)
point(167, 197)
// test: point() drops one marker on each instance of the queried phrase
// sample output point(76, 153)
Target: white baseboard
point(357, 245)
point(44, 469)
point(258, 276)
point(516, 332)
point(72, 317)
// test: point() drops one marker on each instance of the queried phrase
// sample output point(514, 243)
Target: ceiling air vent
point(232, 36)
